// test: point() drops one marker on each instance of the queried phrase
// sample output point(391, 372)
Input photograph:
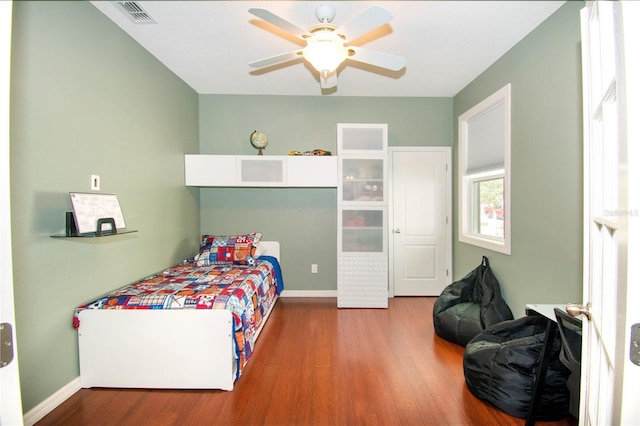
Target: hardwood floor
point(317, 365)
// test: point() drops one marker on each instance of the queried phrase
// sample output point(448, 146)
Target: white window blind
point(485, 149)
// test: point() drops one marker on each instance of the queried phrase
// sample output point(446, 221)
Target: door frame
point(630, 16)
point(10, 395)
point(448, 191)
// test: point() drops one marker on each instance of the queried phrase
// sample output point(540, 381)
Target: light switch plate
point(95, 182)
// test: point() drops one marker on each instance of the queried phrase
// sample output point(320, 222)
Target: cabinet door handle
point(397, 230)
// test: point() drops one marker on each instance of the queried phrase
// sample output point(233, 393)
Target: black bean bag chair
point(500, 366)
point(466, 307)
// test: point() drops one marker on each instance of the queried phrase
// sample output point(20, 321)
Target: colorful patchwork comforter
point(248, 291)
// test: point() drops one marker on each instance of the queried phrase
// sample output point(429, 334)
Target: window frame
point(466, 180)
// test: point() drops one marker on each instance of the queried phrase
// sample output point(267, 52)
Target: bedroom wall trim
point(38, 412)
point(309, 293)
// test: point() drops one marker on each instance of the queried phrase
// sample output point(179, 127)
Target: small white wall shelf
point(265, 171)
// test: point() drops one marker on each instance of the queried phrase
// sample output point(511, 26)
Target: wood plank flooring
point(317, 365)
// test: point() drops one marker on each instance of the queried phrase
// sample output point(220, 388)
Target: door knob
point(397, 230)
point(574, 310)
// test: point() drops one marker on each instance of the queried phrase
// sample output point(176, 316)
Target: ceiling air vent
point(135, 12)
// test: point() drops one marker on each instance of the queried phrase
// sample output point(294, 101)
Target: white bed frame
point(167, 349)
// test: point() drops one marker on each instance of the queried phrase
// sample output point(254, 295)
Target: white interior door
point(609, 394)
point(420, 228)
point(10, 403)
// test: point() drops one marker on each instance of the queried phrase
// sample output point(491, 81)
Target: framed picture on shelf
point(89, 209)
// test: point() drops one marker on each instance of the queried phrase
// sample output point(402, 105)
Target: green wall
point(86, 99)
point(303, 220)
point(545, 265)
point(304, 123)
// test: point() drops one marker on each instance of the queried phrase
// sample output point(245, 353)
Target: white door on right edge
point(610, 377)
point(421, 236)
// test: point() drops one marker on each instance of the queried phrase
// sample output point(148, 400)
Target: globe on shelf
point(259, 141)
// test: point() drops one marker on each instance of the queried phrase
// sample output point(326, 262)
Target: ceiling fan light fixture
point(325, 51)
point(325, 48)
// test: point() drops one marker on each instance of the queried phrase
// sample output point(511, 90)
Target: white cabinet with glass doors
point(362, 216)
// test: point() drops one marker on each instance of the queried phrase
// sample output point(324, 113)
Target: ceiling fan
point(327, 45)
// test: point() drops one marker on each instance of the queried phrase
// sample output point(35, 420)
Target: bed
point(181, 328)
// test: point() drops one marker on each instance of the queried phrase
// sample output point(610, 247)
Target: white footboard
point(177, 349)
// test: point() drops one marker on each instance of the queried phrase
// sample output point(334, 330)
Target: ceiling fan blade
point(279, 22)
point(369, 20)
point(278, 59)
point(378, 59)
point(330, 81)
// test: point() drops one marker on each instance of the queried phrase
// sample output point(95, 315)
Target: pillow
point(260, 250)
point(234, 249)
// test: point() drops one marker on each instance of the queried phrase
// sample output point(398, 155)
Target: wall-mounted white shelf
point(260, 170)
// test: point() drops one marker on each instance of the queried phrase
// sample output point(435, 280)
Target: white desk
point(546, 310)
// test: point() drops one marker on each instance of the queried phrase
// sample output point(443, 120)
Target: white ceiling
point(209, 44)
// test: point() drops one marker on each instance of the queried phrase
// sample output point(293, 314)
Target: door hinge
point(634, 350)
point(6, 344)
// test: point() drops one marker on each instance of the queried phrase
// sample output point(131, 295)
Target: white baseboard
point(309, 293)
point(49, 404)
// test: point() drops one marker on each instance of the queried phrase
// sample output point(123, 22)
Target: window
point(488, 211)
point(484, 139)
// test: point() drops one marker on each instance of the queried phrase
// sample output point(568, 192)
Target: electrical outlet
point(314, 268)
point(95, 182)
